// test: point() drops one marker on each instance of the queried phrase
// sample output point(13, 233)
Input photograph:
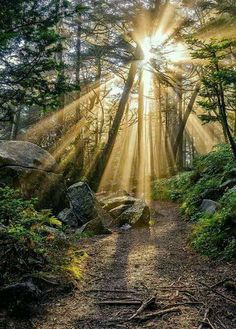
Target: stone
point(233, 189)
point(95, 226)
point(33, 171)
point(83, 201)
point(85, 205)
point(137, 215)
point(112, 203)
point(209, 206)
point(116, 212)
point(25, 292)
point(68, 218)
point(26, 155)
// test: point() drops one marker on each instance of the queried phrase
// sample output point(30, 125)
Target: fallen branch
point(220, 283)
point(119, 302)
point(218, 293)
point(205, 318)
point(158, 314)
point(185, 304)
point(143, 307)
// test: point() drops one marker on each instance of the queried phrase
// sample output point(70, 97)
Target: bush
point(215, 235)
point(171, 188)
point(25, 234)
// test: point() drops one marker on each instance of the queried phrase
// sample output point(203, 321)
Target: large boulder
point(26, 155)
point(34, 171)
point(137, 215)
point(112, 203)
point(127, 210)
point(116, 212)
point(85, 205)
point(209, 206)
point(68, 218)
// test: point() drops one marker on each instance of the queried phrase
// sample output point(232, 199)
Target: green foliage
point(215, 235)
point(171, 188)
point(218, 88)
point(29, 234)
point(210, 171)
point(32, 71)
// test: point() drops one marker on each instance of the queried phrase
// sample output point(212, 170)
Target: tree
point(29, 67)
point(218, 82)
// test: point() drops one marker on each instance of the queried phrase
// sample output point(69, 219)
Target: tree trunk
point(95, 174)
point(185, 119)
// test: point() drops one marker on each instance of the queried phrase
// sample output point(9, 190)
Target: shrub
point(25, 234)
point(171, 188)
point(215, 235)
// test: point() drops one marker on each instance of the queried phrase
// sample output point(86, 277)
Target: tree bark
point(95, 174)
point(185, 119)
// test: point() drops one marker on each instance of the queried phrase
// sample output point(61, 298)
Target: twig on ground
point(185, 304)
point(119, 302)
point(204, 320)
point(217, 284)
point(210, 324)
point(151, 301)
point(150, 316)
point(218, 293)
point(221, 323)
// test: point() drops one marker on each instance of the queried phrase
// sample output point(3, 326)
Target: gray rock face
point(137, 215)
point(209, 206)
point(34, 171)
point(116, 212)
point(83, 201)
point(112, 203)
point(25, 154)
point(68, 218)
point(127, 210)
point(94, 226)
point(233, 189)
point(85, 209)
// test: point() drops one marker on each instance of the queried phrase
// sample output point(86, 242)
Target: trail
point(137, 264)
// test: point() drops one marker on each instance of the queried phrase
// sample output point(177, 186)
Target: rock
point(233, 189)
point(83, 201)
point(14, 294)
point(85, 205)
point(95, 226)
point(116, 212)
point(228, 184)
point(25, 154)
point(212, 194)
point(33, 171)
point(209, 206)
point(54, 232)
point(137, 215)
point(108, 195)
point(67, 217)
point(112, 203)
point(126, 227)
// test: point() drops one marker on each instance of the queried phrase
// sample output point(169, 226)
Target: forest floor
point(127, 268)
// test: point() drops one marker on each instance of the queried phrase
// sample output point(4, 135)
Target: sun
point(146, 46)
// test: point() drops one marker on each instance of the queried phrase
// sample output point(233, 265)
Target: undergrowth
point(33, 242)
point(214, 234)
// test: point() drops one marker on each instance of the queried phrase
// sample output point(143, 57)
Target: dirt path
point(138, 263)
